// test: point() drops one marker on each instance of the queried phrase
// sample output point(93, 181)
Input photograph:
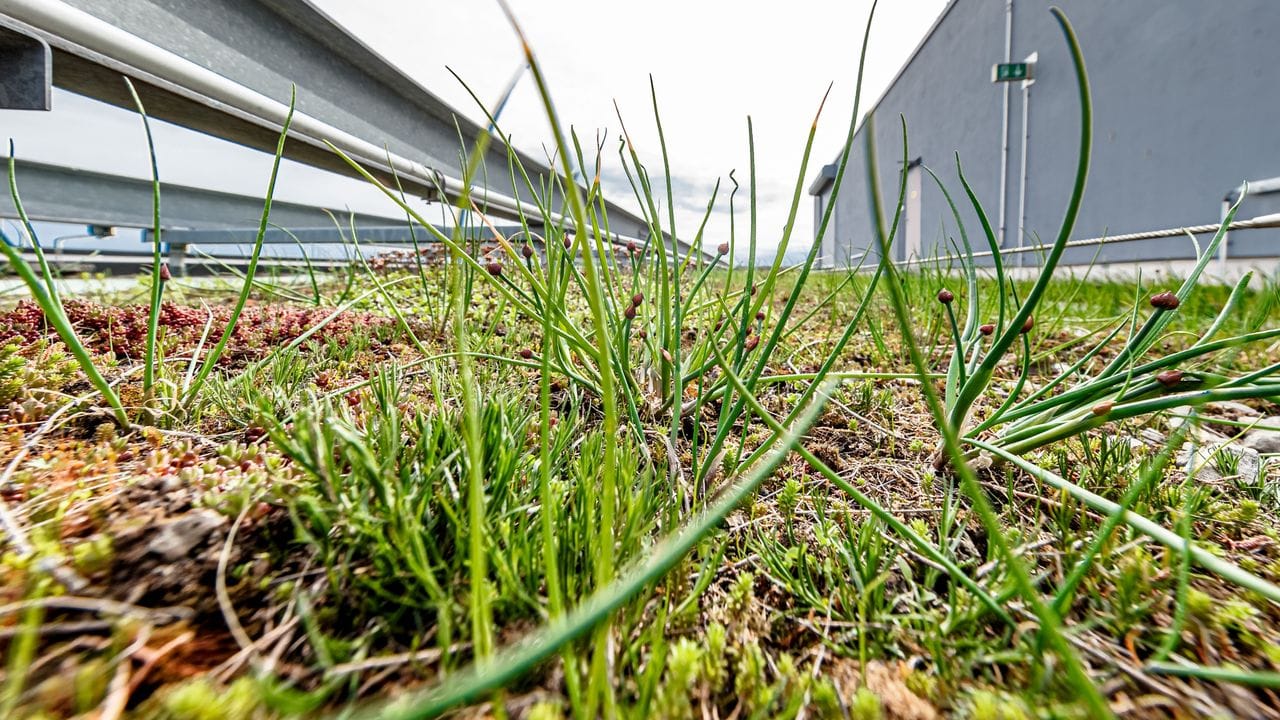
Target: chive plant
point(1083, 396)
point(582, 263)
point(1126, 387)
point(158, 270)
point(44, 291)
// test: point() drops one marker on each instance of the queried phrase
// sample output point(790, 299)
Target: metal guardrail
point(224, 66)
point(1260, 222)
point(54, 193)
point(1257, 223)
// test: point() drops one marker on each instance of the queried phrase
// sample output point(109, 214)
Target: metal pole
point(1004, 125)
point(1222, 249)
point(1022, 172)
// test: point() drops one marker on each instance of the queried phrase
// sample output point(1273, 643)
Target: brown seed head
point(1103, 408)
point(722, 249)
point(751, 343)
point(527, 251)
point(1165, 301)
point(666, 355)
point(568, 242)
point(1169, 378)
point(637, 299)
point(642, 333)
point(631, 248)
point(494, 268)
point(1030, 323)
point(945, 296)
point(760, 315)
point(165, 275)
point(526, 353)
point(630, 312)
point(987, 329)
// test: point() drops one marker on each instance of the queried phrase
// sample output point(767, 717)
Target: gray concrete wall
point(1186, 102)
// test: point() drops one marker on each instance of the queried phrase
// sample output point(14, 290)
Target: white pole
point(1026, 142)
point(1004, 125)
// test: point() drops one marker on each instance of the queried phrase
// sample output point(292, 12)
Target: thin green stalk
point(216, 353)
point(46, 272)
point(1207, 559)
point(157, 278)
point(45, 295)
point(1239, 676)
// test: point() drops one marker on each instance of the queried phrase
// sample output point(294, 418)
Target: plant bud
point(760, 315)
point(527, 251)
point(751, 343)
point(568, 242)
point(723, 249)
point(494, 268)
point(945, 296)
point(631, 248)
point(637, 299)
point(526, 353)
point(630, 312)
point(987, 329)
point(1103, 408)
point(1030, 323)
point(642, 333)
point(165, 275)
point(666, 355)
point(1169, 378)
point(1165, 301)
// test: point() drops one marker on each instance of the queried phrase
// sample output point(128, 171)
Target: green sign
point(1009, 72)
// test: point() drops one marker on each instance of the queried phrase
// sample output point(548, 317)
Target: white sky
point(714, 63)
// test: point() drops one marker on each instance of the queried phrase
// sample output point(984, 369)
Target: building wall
point(1186, 100)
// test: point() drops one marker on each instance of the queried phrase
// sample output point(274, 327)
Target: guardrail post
point(26, 70)
point(178, 259)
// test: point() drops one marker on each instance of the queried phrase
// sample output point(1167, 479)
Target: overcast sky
point(714, 64)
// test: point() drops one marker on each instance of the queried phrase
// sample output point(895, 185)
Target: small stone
point(1209, 459)
point(176, 538)
point(1263, 440)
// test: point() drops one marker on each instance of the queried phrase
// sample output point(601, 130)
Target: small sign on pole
point(1010, 72)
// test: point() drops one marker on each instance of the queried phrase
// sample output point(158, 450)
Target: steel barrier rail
point(53, 193)
point(347, 94)
point(1257, 223)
